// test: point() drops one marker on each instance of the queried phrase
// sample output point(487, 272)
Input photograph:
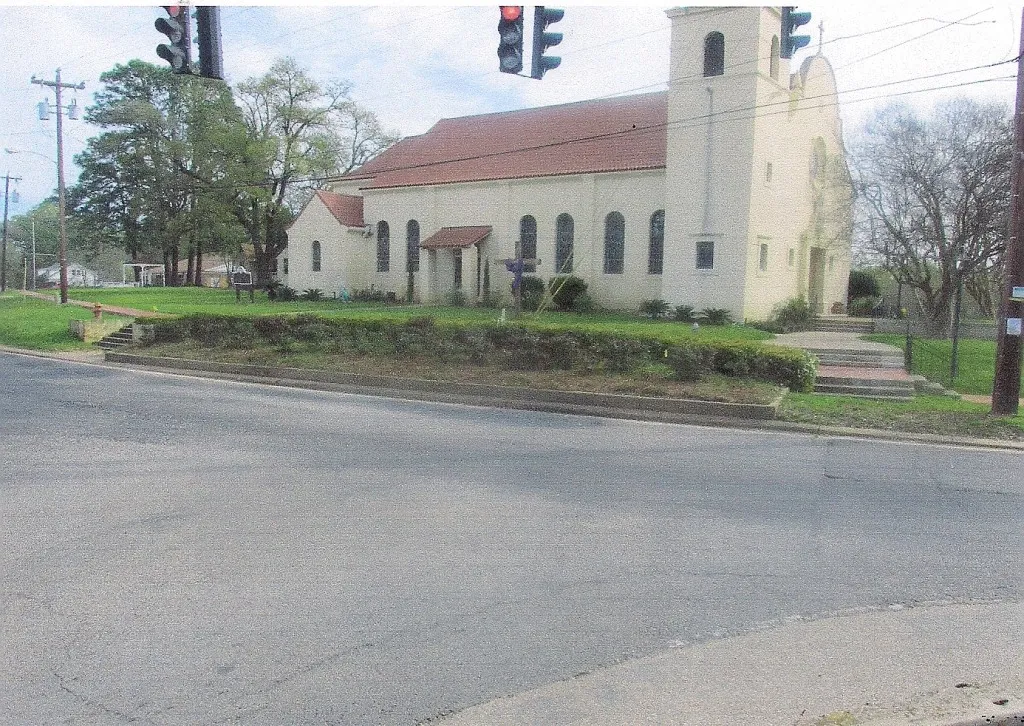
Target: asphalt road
point(176, 550)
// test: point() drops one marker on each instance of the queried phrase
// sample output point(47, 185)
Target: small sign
point(1013, 326)
point(1017, 294)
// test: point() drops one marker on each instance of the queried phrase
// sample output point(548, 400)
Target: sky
point(414, 65)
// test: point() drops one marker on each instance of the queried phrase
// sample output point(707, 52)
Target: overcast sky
point(415, 65)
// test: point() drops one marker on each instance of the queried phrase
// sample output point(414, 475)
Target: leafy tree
point(933, 197)
point(300, 132)
point(157, 180)
point(862, 284)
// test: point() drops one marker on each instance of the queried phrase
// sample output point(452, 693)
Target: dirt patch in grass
point(709, 388)
point(923, 415)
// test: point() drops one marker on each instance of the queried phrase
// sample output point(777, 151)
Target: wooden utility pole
point(1006, 389)
point(63, 257)
point(3, 250)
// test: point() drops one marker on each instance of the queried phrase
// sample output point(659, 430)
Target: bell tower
point(724, 66)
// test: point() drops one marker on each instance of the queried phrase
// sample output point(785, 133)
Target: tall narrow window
point(315, 255)
point(705, 254)
point(458, 268)
point(564, 231)
point(773, 64)
point(528, 241)
point(412, 246)
point(762, 260)
point(614, 243)
point(284, 266)
point(714, 54)
point(383, 247)
point(656, 251)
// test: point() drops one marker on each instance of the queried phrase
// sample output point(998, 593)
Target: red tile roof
point(613, 134)
point(346, 208)
point(455, 237)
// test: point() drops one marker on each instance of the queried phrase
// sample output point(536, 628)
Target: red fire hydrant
point(97, 311)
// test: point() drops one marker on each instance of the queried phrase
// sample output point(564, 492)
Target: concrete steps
point(116, 340)
point(865, 386)
point(857, 358)
point(843, 324)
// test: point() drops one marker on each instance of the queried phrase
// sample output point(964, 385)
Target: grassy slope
point(39, 325)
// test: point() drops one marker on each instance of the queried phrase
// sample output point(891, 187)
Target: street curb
point(700, 413)
point(527, 403)
point(642, 407)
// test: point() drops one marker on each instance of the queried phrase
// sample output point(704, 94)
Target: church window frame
point(705, 254)
point(714, 54)
point(565, 231)
point(528, 241)
point(614, 243)
point(412, 246)
point(316, 256)
point(383, 247)
point(656, 245)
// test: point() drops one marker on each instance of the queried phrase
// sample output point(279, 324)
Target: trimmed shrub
point(685, 314)
point(654, 309)
point(532, 291)
point(584, 304)
point(565, 290)
point(512, 346)
point(716, 316)
point(313, 294)
point(863, 307)
point(862, 284)
point(455, 299)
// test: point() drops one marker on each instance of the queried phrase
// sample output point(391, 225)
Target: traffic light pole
point(63, 258)
point(1006, 389)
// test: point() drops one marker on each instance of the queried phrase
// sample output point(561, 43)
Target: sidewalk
point(936, 665)
point(113, 310)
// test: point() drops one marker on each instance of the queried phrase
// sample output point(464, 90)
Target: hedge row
point(511, 346)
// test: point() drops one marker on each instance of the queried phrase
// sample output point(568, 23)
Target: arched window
point(773, 64)
point(614, 243)
point(714, 54)
point(656, 251)
point(563, 244)
point(412, 246)
point(315, 255)
point(383, 247)
point(528, 241)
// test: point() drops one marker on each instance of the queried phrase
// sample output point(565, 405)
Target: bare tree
point(933, 198)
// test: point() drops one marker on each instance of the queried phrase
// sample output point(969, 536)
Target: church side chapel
point(729, 190)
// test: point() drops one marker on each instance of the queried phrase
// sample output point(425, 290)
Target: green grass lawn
point(924, 414)
point(976, 361)
point(186, 300)
point(39, 325)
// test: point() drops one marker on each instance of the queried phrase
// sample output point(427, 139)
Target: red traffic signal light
point(510, 39)
point(511, 13)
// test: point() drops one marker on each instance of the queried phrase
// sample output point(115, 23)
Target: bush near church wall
point(512, 346)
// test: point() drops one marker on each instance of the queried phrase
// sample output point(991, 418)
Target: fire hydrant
point(97, 311)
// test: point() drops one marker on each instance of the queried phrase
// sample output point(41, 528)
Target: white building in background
point(78, 276)
point(729, 190)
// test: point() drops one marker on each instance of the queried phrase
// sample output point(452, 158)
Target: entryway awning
point(448, 238)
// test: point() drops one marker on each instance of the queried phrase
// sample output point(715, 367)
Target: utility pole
point(3, 250)
point(1006, 389)
point(58, 86)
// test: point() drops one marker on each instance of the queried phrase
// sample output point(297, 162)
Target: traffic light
point(211, 59)
point(176, 27)
point(542, 18)
point(510, 39)
point(790, 22)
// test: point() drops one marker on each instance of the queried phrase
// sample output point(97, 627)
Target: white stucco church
point(728, 190)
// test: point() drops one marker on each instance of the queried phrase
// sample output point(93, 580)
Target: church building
point(729, 190)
